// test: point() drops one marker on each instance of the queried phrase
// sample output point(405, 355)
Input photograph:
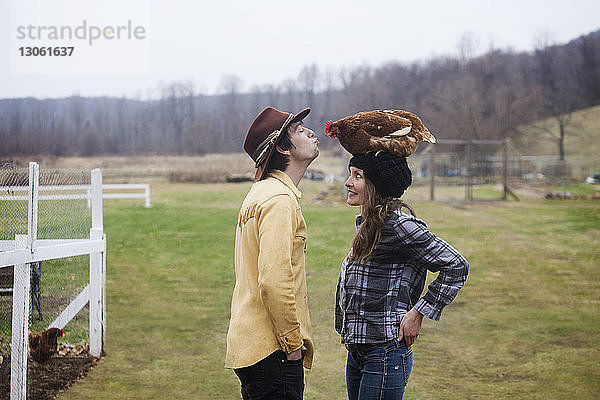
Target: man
point(269, 339)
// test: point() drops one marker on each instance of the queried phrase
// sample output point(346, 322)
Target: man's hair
point(278, 160)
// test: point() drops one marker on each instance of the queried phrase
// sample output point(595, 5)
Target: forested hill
point(485, 97)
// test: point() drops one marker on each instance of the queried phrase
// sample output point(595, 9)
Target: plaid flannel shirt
point(373, 296)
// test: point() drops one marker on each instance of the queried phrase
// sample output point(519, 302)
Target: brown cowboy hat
point(264, 134)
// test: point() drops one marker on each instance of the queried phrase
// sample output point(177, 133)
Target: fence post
point(103, 288)
point(21, 284)
point(505, 169)
point(469, 162)
point(96, 261)
point(147, 193)
point(20, 327)
point(432, 173)
point(32, 207)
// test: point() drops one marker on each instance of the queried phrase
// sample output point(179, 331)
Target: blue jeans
point(378, 372)
point(272, 378)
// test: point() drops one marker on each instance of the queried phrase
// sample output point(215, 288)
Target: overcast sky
point(260, 41)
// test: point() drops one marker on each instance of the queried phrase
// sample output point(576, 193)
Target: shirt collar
point(358, 219)
point(286, 180)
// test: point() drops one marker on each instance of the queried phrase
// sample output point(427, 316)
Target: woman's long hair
point(375, 213)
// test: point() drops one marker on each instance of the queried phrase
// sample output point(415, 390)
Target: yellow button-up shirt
point(269, 308)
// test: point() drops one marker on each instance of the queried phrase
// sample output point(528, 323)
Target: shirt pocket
point(300, 242)
point(298, 261)
point(298, 255)
point(404, 301)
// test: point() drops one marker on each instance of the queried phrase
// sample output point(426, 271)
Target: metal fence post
point(432, 173)
point(505, 169)
point(469, 168)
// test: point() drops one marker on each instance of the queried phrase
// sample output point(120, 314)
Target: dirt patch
point(332, 194)
point(46, 381)
point(525, 191)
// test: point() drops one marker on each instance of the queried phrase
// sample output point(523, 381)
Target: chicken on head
point(394, 131)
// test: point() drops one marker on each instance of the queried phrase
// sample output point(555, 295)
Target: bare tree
point(308, 79)
point(177, 108)
point(557, 78)
point(230, 112)
point(76, 119)
point(589, 57)
point(289, 88)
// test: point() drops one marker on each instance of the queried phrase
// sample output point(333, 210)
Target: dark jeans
point(378, 372)
point(272, 378)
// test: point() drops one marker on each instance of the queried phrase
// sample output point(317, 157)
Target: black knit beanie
point(389, 173)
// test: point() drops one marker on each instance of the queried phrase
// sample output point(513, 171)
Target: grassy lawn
point(526, 325)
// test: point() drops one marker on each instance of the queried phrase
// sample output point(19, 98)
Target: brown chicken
point(42, 345)
point(394, 131)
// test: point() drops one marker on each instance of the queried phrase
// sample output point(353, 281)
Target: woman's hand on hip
point(410, 327)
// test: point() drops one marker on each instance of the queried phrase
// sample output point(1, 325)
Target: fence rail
point(128, 186)
point(74, 196)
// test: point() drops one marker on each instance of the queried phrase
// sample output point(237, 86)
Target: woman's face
point(357, 187)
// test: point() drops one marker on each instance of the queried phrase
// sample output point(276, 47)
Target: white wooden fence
point(76, 192)
point(25, 249)
point(123, 186)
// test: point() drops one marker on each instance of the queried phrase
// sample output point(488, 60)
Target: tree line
point(484, 97)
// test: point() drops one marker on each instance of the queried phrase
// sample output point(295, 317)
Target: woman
point(379, 308)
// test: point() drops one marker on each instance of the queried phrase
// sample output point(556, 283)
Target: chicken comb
point(328, 130)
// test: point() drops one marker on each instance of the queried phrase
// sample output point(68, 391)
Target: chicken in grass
point(393, 131)
point(42, 345)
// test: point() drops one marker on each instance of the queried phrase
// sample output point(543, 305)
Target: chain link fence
point(63, 213)
point(458, 170)
point(13, 221)
point(467, 170)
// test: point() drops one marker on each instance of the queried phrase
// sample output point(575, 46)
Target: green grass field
point(526, 325)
